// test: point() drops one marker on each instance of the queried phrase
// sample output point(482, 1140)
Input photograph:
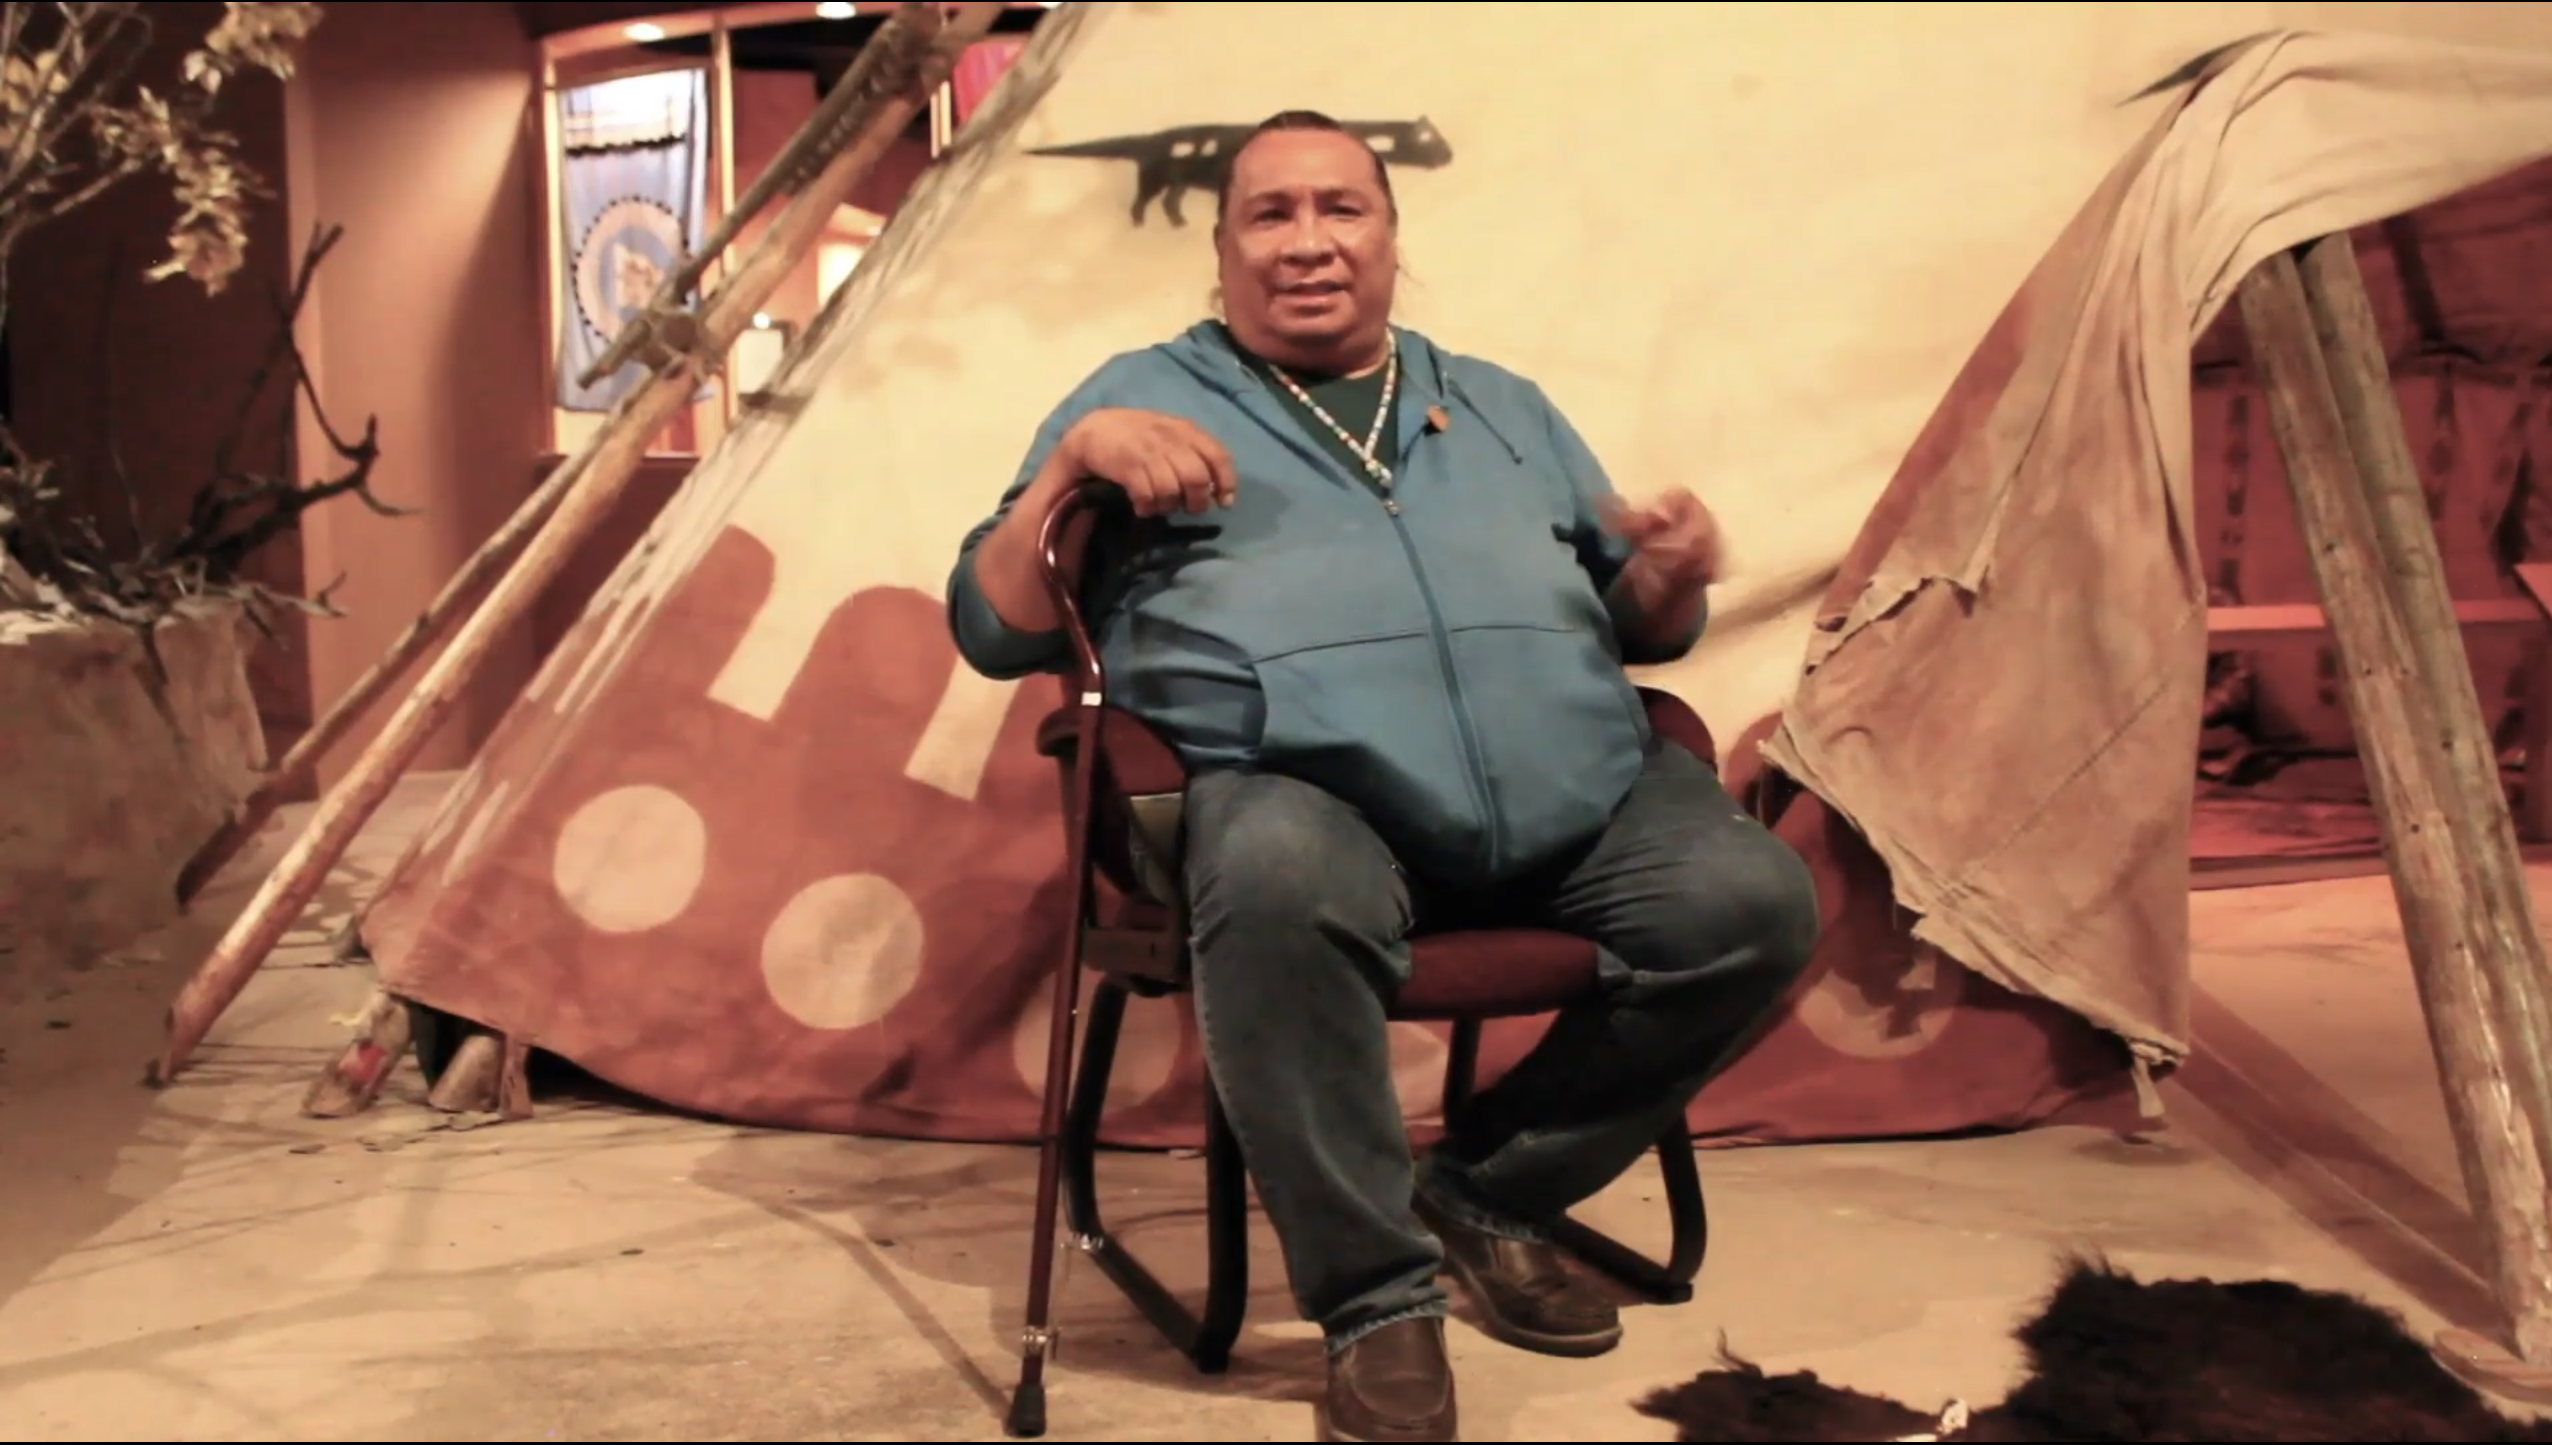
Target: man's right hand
point(1163, 463)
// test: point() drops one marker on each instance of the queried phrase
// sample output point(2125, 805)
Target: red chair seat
point(1501, 973)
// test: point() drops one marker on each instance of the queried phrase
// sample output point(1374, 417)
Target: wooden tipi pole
point(2475, 948)
point(823, 133)
point(893, 79)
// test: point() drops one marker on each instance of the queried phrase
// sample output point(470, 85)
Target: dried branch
point(64, 69)
point(240, 511)
point(235, 514)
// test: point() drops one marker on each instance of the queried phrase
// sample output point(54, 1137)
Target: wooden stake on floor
point(893, 78)
point(2352, 346)
point(2475, 950)
point(353, 1079)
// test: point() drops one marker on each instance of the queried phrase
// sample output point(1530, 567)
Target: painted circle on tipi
point(1884, 1008)
point(1147, 1051)
point(843, 952)
point(631, 859)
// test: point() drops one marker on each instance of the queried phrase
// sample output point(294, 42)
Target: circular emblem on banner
point(627, 253)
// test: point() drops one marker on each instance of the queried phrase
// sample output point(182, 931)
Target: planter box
point(114, 768)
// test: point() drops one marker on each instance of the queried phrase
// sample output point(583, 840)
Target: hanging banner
point(634, 177)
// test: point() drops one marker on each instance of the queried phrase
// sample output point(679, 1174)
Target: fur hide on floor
point(2114, 1358)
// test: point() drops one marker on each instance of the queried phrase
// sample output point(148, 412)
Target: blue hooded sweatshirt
point(1444, 660)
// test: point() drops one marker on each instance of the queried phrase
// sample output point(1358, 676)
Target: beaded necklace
point(1368, 451)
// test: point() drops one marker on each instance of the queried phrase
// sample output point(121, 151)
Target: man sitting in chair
point(1380, 599)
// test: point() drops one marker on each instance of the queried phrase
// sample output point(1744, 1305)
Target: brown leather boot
point(1525, 1292)
point(1394, 1384)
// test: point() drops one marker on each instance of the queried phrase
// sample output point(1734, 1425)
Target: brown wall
point(413, 128)
point(770, 106)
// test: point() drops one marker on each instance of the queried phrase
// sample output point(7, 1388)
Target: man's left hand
point(1674, 536)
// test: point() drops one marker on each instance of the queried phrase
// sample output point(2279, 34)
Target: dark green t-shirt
point(1349, 399)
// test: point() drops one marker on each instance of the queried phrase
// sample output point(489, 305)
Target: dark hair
point(1302, 120)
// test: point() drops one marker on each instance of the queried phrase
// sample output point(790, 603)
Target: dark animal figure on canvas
point(1170, 163)
point(2115, 1358)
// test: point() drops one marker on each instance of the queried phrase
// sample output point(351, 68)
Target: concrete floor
point(206, 1264)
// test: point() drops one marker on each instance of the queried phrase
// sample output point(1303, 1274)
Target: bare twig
point(235, 514)
point(107, 442)
point(66, 66)
point(95, 51)
point(285, 347)
point(221, 532)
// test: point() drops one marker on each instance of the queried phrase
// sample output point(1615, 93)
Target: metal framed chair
point(1123, 790)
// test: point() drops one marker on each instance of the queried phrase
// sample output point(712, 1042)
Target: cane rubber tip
point(1027, 1412)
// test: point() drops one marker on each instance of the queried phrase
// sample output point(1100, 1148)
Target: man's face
point(1308, 250)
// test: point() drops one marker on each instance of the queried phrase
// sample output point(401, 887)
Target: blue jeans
point(1299, 916)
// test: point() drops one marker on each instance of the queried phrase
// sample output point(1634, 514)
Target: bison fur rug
point(2111, 1357)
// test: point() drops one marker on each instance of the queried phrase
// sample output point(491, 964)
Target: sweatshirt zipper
point(1453, 690)
point(1475, 768)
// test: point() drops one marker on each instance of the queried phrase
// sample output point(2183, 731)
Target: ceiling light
point(836, 10)
point(645, 32)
